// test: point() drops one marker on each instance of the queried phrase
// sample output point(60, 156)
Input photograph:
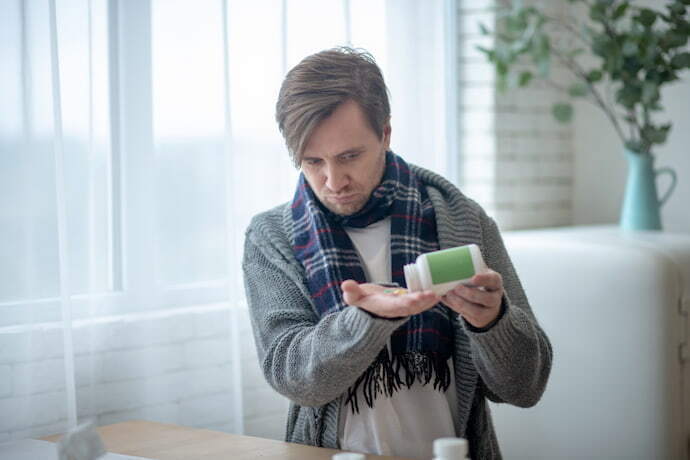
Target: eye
point(312, 161)
point(350, 156)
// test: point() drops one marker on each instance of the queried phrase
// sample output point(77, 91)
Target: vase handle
point(671, 187)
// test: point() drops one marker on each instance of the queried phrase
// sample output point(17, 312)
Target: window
point(126, 185)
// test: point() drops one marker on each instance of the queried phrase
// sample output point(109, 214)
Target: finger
point(477, 296)
point(453, 301)
point(490, 280)
point(462, 307)
point(352, 292)
point(460, 302)
point(447, 302)
point(475, 314)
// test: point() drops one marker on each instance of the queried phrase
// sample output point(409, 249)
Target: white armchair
point(615, 306)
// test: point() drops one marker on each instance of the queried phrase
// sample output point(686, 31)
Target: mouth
point(344, 198)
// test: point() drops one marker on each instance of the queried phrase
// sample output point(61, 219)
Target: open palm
point(373, 298)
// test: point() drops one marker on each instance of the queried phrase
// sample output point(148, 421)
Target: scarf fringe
point(385, 376)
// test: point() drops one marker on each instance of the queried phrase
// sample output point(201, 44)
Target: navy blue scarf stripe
point(421, 347)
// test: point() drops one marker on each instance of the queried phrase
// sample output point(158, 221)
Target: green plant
point(637, 51)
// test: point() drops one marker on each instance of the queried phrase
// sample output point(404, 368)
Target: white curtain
point(137, 139)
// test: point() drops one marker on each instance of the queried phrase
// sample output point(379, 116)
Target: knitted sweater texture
point(314, 361)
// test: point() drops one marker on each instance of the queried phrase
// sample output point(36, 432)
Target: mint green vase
point(641, 204)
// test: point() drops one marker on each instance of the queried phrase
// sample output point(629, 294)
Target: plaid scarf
point(420, 348)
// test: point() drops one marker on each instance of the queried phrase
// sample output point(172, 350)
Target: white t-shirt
point(407, 423)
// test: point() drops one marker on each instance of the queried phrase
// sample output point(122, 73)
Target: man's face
point(344, 159)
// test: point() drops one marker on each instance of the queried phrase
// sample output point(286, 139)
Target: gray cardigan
point(313, 361)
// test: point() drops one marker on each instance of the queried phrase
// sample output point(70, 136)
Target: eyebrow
point(357, 149)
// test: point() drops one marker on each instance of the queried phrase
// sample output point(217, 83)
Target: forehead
point(346, 128)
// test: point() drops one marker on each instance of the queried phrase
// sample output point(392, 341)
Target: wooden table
point(173, 442)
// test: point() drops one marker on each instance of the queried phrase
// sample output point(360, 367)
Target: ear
point(387, 135)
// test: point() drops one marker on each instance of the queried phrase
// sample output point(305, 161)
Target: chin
point(345, 209)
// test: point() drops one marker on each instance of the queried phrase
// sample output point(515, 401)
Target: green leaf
point(629, 95)
point(673, 39)
point(619, 11)
point(677, 8)
point(600, 45)
point(631, 67)
point(562, 111)
point(665, 76)
point(578, 89)
point(490, 54)
point(594, 76)
point(655, 135)
point(681, 60)
point(501, 68)
point(483, 29)
point(597, 12)
point(502, 83)
point(613, 64)
point(646, 17)
point(525, 78)
point(634, 146)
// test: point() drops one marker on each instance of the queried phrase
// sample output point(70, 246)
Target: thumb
point(351, 292)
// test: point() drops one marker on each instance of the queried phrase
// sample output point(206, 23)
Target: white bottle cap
point(348, 456)
point(414, 284)
point(450, 448)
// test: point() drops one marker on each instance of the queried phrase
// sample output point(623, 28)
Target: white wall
point(515, 160)
point(600, 166)
point(157, 369)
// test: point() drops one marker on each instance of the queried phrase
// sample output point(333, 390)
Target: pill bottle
point(450, 449)
point(348, 456)
point(441, 271)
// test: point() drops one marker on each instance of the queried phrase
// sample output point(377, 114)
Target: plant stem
point(646, 145)
point(575, 68)
point(638, 130)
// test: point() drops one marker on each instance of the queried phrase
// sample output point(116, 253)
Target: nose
point(336, 178)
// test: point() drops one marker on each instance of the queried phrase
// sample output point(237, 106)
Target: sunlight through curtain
point(137, 139)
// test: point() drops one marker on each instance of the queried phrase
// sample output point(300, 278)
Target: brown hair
point(315, 87)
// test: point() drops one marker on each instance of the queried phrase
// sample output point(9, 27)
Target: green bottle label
point(450, 265)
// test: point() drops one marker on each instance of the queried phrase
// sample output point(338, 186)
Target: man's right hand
point(372, 298)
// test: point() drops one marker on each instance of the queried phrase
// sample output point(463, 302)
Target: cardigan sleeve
point(514, 356)
point(308, 359)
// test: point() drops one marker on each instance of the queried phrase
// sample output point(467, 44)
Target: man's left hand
point(479, 303)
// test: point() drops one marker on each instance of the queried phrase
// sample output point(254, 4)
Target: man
point(368, 370)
